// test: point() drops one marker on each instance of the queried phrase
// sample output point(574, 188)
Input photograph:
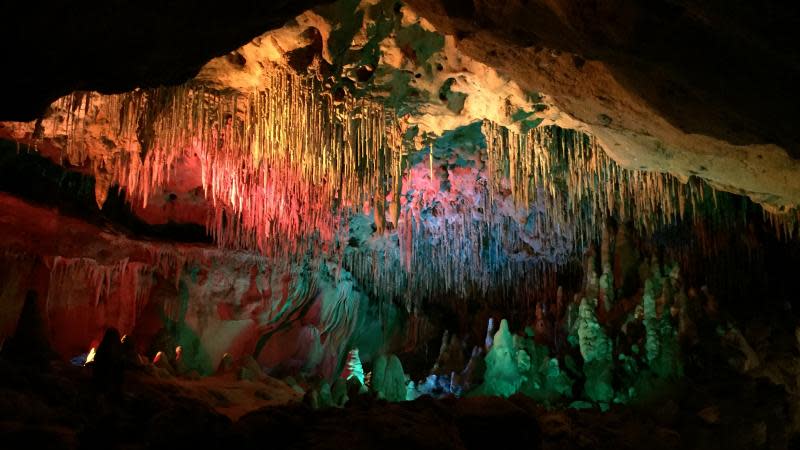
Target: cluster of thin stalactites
point(284, 167)
point(570, 189)
point(581, 187)
point(281, 166)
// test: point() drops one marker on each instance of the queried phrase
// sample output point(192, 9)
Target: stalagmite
point(606, 281)
point(503, 375)
point(354, 367)
point(489, 341)
point(596, 349)
point(389, 381)
point(474, 370)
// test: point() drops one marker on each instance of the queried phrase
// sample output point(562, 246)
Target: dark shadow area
point(34, 178)
point(54, 48)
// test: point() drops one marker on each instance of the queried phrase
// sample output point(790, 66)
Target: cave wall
point(209, 301)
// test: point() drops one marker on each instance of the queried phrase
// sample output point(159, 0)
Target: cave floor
point(61, 407)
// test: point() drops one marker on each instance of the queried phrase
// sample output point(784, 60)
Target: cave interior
point(444, 224)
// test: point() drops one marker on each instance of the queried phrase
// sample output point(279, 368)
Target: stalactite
point(584, 187)
point(285, 168)
point(118, 291)
point(570, 189)
point(274, 163)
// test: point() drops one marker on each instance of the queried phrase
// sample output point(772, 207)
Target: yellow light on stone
point(90, 356)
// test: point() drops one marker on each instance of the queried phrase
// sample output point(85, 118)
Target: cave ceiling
point(686, 87)
point(443, 109)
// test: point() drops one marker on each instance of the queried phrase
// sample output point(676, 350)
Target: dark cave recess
point(32, 177)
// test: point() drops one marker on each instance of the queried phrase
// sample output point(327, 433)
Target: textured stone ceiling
point(423, 136)
point(691, 88)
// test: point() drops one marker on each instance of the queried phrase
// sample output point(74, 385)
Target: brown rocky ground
point(62, 407)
